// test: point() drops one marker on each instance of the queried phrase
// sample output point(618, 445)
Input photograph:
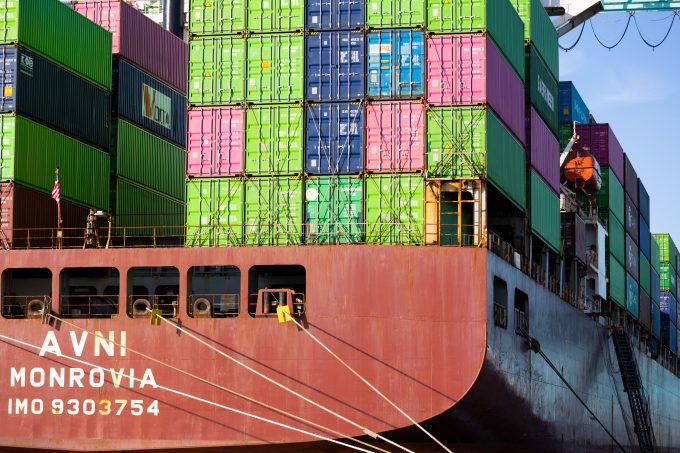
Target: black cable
point(668, 32)
point(567, 49)
point(617, 42)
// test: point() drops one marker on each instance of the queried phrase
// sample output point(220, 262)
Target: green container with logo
point(276, 68)
point(544, 211)
point(497, 18)
point(334, 210)
point(543, 90)
point(30, 153)
point(147, 159)
point(214, 212)
point(395, 13)
point(275, 139)
point(217, 17)
point(610, 197)
point(217, 70)
point(539, 31)
point(471, 142)
point(616, 275)
point(60, 34)
point(265, 16)
point(274, 211)
point(395, 209)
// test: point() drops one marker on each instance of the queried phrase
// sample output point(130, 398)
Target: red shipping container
point(468, 69)
point(140, 40)
point(543, 150)
point(395, 136)
point(603, 145)
point(215, 141)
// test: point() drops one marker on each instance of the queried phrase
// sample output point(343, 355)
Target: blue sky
point(636, 90)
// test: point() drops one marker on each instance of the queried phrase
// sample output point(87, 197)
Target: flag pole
point(59, 232)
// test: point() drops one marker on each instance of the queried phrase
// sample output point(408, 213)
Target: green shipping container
point(273, 211)
point(274, 140)
point(276, 68)
point(471, 142)
point(668, 279)
point(139, 211)
point(543, 90)
point(544, 211)
point(334, 210)
point(655, 255)
point(394, 209)
point(395, 13)
point(616, 238)
point(610, 197)
point(632, 296)
point(217, 70)
point(645, 274)
point(617, 281)
point(147, 160)
point(667, 249)
point(60, 34)
point(496, 18)
point(30, 153)
point(215, 212)
point(217, 17)
point(276, 15)
point(540, 31)
point(566, 132)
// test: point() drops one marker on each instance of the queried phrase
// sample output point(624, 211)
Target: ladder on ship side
point(632, 384)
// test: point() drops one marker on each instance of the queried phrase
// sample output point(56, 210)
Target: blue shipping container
point(673, 342)
point(643, 201)
point(572, 107)
point(645, 239)
point(335, 66)
point(334, 139)
point(148, 103)
point(656, 321)
point(335, 15)
point(656, 287)
point(666, 327)
point(396, 64)
point(668, 305)
point(49, 94)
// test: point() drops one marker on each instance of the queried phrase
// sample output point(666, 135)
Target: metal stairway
point(632, 385)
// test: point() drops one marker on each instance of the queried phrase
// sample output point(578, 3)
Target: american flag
point(55, 189)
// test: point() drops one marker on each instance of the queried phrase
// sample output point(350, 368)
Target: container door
point(409, 63)
point(199, 219)
point(8, 63)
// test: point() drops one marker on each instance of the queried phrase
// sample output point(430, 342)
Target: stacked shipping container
point(55, 112)
point(668, 257)
point(148, 133)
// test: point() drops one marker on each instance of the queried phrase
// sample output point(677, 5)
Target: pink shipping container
point(215, 141)
point(468, 69)
point(603, 145)
point(395, 136)
point(543, 150)
point(140, 40)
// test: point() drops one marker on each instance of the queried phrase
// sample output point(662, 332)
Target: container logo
point(26, 65)
point(546, 94)
point(156, 106)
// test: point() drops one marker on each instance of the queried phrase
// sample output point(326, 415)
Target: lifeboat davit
point(582, 171)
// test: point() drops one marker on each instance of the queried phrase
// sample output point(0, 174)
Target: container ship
point(322, 226)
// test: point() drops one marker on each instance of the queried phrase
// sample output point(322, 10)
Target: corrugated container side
point(275, 68)
point(656, 321)
point(543, 90)
point(325, 15)
point(617, 282)
point(274, 140)
point(645, 310)
point(540, 31)
point(668, 279)
point(611, 195)
point(655, 285)
point(334, 210)
point(566, 132)
point(630, 180)
point(143, 212)
point(632, 258)
point(573, 236)
point(395, 13)
point(214, 212)
point(469, 70)
point(396, 64)
point(481, 16)
point(543, 150)
point(632, 297)
point(668, 305)
point(632, 219)
point(655, 258)
point(217, 17)
point(334, 139)
point(645, 274)
point(217, 70)
point(395, 211)
point(673, 341)
point(544, 211)
point(572, 107)
point(149, 103)
point(616, 239)
point(335, 66)
point(148, 160)
point(76, 106)
point(55, 31)
point(215, 141)
point(470, 142)
point(275, 15)
point(395, 136)
point(84, 170)
point(643, 201)
point(667, 247)
point(274, 211)
point(141, 41)
point(645, 239)
point(603, 145)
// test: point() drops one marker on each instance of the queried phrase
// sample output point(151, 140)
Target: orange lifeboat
point(582, 171)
